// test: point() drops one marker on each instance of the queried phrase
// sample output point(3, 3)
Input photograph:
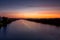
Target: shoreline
point(52, 21)
point(6, 21)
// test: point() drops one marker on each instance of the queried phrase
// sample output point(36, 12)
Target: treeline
point(51, 21)
point(6, 20)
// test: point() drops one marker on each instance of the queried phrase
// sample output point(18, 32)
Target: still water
point(26, 30)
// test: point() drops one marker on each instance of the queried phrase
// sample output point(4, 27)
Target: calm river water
point(26, 30)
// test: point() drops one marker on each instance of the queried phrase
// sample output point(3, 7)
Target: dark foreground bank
point(5, 20)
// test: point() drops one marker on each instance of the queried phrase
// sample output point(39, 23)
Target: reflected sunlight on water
point(31, 30)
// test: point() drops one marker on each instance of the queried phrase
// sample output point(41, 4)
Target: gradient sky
point(30, 8)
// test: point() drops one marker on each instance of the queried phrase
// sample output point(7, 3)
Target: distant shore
point(50, 21)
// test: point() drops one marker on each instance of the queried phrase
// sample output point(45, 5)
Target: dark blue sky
point(16, 4)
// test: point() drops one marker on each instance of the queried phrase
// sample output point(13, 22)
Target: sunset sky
point(30, 8)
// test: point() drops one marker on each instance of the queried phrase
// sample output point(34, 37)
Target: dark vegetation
point(5, 20)
point(50, 21)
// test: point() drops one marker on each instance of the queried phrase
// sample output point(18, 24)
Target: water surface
point(27, 30)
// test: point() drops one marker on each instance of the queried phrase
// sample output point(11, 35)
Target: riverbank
point(50, 21)
point(6, 20)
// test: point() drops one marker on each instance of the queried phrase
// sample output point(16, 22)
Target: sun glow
point(42, 14)
point(33, 14)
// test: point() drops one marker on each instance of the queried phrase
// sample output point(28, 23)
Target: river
point(27, 30)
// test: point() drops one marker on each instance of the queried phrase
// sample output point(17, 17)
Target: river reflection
point(23, 29)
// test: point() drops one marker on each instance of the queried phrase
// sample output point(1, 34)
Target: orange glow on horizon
point(43, 16)
point(35, 14)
